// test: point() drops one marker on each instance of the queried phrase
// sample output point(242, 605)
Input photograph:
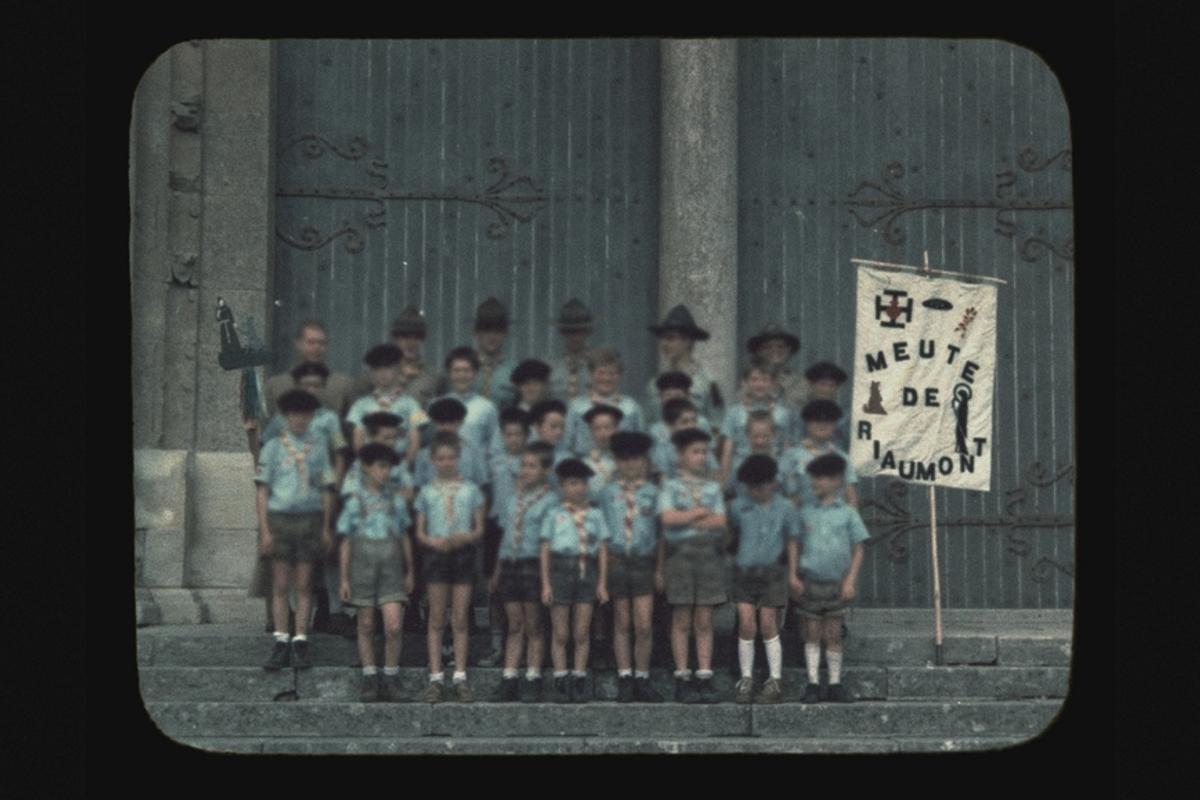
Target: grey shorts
point(521, 581)
point(376, 572)
point(456, 567)
point(762, 587)
point(567, 585)
point(822, 599)
point(630, 576)
point(295, 537)
point(695, 573)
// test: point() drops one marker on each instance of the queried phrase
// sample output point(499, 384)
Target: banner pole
point(937, 582)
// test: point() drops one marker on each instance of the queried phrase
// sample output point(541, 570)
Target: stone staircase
point(1002, 682)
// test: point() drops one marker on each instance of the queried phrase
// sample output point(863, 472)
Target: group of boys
point(555, 481)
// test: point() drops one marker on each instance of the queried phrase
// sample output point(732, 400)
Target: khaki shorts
point(630, 576)
point(822, 599)
point(521, 581)
point(565, 583)
point(295, 537)
point(695, 573)
point(761, 587)
point(376, 572)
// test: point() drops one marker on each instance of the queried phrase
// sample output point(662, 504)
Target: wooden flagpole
point(933, 550)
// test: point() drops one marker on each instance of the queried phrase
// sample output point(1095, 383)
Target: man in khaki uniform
point(419, 382)
point(569, 376)
point(312, 343)
point(775, 347)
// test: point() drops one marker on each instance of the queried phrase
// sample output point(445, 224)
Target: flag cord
point(925, 270)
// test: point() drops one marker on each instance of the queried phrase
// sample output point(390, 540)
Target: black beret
point(514, 416)
point(821, 411)
point(298, 401)
point(381, 419)
point(825, 369)
point(447, 409)
point(676, 406)
point(375, 452)
point(573, 468)
point(758, 468)
point(689, 436)
point(828, 464)
point(673, 380)
point(603, 408)
point(383, 355)
point(310, 368)
point(630, 444)
point(544, 407)
point(530, 370)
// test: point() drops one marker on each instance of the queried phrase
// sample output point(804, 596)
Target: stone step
point(341, 684)
point(597, 745)
point(248, 645)
point(913, 719)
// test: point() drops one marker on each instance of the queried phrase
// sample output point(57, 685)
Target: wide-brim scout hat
point(573, 468)
point(411, 322)
point(680, 319)
point(825, 370)
point(630, 444)
point(574, 317)
point(758, 468)
point(773, 332)
point(491, 316)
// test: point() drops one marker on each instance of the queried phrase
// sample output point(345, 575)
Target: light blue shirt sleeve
point(266, 462)
point(858, 531)
point(603, 534)
point(345, 523)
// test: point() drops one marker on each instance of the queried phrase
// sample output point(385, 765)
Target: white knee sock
point(774, 657)
point(746, 657)
point(834, 660)
point(812, 660)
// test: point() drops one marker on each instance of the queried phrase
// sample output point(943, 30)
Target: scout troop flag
point(924, 365)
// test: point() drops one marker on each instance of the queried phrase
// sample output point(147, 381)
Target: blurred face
point(674, 345)
point(311, 384)
point(490, 342)
point(377, 473)
point(692, 457)
point(532, 391)
point(605, 380)
point(445, 461)
point(761, 492)
point(461, 375)
point(531, 472)
point(670, 394)
point(574, 490)
point(602, 428)
point(550, 429)
point(760, 435)
point(824, 389)
point(774, 352)
point(825, 486)
point(298, 421)
point(312, 344)
point(386, 435)
point(576, 341)
point(632, 469)
point(820, 431)
point(514, 437)
point(688, 419)
point(410, 346)
point(385, 377)
point(758, 383)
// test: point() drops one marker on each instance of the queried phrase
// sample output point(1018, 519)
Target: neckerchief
point(449, 490)
point(579, 517)
point(525, 499)
point(298, 457)
point(695, 486)
point(601, 470)
point(629, 492)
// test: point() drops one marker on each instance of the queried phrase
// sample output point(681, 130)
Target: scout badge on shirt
point(249, 357)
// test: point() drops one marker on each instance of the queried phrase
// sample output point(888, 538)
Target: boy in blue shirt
point(824, 380)
point(481, 427)
point(450, 514)
point(383, 428)
point(602, 421)
point(679, 414)
point(820, 421)
point(761, 436)
point(376, 567)
point(604, 366)
point(384, 364)
point(447, 414)
point(823, 565)
point(574, 573)
point(635, 562)
point(672, 385)
point(311, 376)
point(764, 521)
point(548, 419)
point(516, 579)
point(692, 509)
point(759, 396)
point(295, 500)
point(530, 378)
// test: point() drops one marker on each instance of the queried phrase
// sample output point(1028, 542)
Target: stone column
point(698, 227)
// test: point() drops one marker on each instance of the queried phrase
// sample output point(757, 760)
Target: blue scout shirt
point(297, 469)
point(738, 416)
point(661, 431)
point(470, 465)
point(640, 538)
point(324, 422)
point(495, 375)
point(827, 536)
point(700, 394)
point(578, 437)
point(560, 530)
point(764, 529)
point(533, 505)
point(464, 497)
point(504, 473)
point(402, 405)
point(605, 467)
point(665, 459)
point(796, 483)
point(398, 480)
point(374, 515)
point(679, 494)
point(482, 424)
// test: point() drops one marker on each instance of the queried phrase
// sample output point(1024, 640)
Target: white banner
point(924, 371)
